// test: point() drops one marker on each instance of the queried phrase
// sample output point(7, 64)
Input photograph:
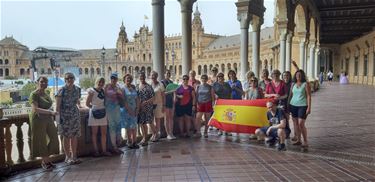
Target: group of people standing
point(114, 106)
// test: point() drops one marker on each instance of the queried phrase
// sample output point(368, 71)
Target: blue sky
point(93, 24)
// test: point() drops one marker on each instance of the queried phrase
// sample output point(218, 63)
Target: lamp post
point(166, 57)
point(116, 55)
point(102, 63)
point(173, 70)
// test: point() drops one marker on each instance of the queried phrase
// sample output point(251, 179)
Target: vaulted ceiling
point(344, 20)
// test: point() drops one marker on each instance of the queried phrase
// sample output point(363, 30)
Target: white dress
point(96, 103)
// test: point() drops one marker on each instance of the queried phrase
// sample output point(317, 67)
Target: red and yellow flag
point(240, 116)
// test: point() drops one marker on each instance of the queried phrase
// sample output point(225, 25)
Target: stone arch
point(200, 69)
point(180, 70)
point(109, 70)
point(22, 71)
point(123, 70)
point(235, 67)
point(149, 71)
point(312, 31)
point(281, 10)
point(300, 19)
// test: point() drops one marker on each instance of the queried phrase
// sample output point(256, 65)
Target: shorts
point(158, 111)
point(205, 107)
point(273, 132)
point(330, 78)
point(169, 101)
point(184, 110)
point(298, 111)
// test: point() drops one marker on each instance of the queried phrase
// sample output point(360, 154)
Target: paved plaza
point(341, 132)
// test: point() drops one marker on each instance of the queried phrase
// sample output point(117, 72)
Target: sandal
point(47, 166)
point(304, 148)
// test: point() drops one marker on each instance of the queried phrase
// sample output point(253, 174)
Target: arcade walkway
point(341, 130)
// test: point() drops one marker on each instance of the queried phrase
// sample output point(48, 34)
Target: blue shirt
point(235, 93)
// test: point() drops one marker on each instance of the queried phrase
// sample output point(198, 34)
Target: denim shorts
point(298, 111)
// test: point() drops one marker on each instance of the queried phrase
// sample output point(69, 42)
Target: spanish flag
point(240, 116)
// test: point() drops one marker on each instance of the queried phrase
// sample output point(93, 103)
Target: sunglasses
point(220, 76)
point(185, 79)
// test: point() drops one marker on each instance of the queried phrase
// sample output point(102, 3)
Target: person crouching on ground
point(277, 128)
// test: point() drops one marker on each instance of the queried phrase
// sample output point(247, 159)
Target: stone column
point(302, 54)
point(316, 62)
point(282, 59)
point(288, 55)
point(186, 10)
point(158, 36)
point(255, 24)
point(311, 63)
point(244, 20)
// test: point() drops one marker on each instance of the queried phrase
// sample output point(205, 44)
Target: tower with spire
point(121, 41)
point(197, 33)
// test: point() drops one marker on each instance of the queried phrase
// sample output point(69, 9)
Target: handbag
point(98, 113)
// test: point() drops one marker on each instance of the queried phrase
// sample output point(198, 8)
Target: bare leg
point(144, 132)
point(198, 122)
point(167, 121)
point(74, 141)
point(296, 129)
point(303, 130)
point(66, 146)
point(103, 132)
point(260, 135)
point(129, 136)
point(188, 120)
point(94, 133)
point(281, 134)
point(206, 118)
point(181, 121)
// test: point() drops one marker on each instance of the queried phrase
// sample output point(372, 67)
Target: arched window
point(199, 70)
point(1, 61)
point(22, 71)
point(6, 72)
point(205, 71)
point(1, 73)
point(6, 61)
point(86, 71)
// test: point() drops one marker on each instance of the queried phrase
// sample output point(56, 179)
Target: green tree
point(85, 83)
point(27, 89)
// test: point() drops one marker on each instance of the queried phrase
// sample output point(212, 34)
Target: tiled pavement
point(341, 133)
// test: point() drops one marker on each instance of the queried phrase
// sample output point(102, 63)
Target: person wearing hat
point(113, 100)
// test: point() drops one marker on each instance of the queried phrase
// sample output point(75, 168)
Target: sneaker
point(68, 161)
point(219, 133)
point(171, 137)
point(270, 142)
point(281, 147)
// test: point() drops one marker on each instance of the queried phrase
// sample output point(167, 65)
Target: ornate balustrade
point(13, 157)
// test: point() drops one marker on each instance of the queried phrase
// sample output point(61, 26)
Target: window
point(6, 61)
point(356, 66)
point(1, 61)
point(365, 61)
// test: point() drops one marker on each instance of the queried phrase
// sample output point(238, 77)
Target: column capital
point(244, 19)
point(158, 2)
point(256, 22)
point(187, 5)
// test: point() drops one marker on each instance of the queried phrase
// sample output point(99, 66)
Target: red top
point(281, 89)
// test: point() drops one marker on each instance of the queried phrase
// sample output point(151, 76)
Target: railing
point(16, 111)
point(15, 142)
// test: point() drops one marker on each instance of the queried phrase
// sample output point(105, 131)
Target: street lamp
point(166, 57)
point(116, 55)
point(102, 63)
